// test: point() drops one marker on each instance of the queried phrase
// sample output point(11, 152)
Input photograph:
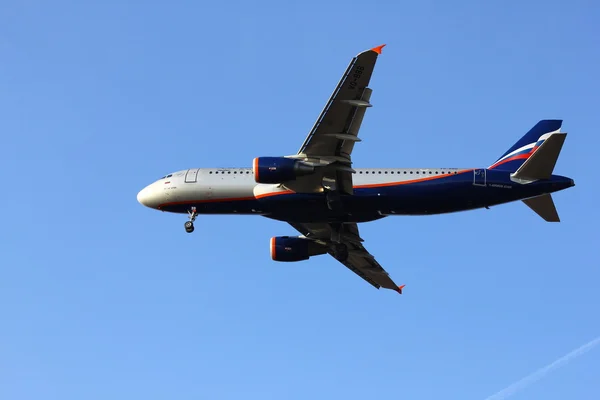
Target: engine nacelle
point(279, 169)
point(288, 248)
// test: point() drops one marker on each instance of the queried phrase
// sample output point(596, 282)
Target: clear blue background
point(103, 298)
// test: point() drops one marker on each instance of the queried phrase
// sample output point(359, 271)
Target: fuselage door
point(192, 175)
point(479, 176)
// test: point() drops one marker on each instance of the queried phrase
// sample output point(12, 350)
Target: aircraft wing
point(332, 138)
point(359, 261)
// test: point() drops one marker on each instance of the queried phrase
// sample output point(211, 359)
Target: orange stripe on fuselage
point(175, 203)
point(262, 196)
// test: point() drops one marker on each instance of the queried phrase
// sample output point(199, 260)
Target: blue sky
point(103, 298)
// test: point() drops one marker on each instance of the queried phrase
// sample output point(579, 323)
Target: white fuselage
point(214, 184)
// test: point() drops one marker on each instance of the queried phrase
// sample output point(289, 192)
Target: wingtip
point(378, 49)
point(400, 288)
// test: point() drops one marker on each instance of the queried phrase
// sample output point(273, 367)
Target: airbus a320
point(322, 195)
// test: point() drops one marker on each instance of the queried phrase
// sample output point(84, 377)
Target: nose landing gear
point(189, 225)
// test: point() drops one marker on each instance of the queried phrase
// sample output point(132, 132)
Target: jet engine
point(288, 248)
point(279, 169)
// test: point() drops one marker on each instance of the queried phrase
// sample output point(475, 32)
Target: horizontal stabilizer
point(541, 163)
point(544, 207)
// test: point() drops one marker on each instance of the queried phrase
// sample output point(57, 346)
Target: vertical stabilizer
point(514, 157)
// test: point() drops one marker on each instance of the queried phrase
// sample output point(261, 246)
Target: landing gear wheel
point(189, 226)
point(341, 252)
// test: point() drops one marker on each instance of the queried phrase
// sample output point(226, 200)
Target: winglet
point(378, 49)
point(400, 288)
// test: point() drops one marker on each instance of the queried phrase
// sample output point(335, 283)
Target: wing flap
point(365, 266)
point(359, 260)
point(333, 136)
point(345, 109)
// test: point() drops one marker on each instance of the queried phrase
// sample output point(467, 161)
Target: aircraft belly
point(298, 207)
point(432, 198)
point(442, 198)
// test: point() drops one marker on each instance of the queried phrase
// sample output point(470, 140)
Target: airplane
point(324, 197)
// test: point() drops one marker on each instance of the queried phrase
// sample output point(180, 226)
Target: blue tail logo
point(514, 157)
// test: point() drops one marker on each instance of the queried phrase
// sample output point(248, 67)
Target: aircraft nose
point(149, 196)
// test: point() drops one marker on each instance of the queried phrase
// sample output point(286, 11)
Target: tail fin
point(544, 207)
point(514, 157)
